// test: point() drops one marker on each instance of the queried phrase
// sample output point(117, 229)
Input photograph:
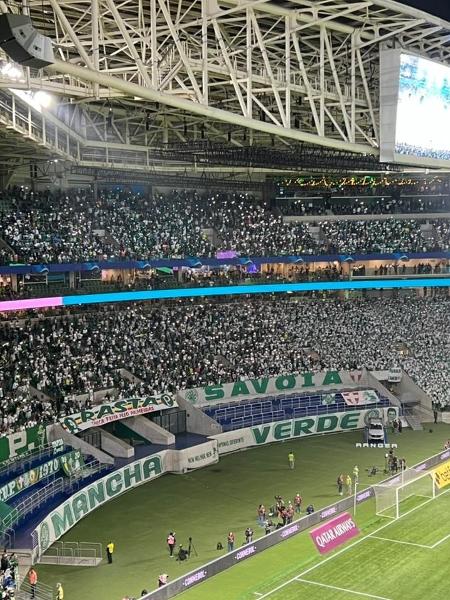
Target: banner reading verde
point(279, 431)
point(33, 476)
point(253, 388)
point(115, 411)
point(60, 520)
point(442, 475)
point(22, 442)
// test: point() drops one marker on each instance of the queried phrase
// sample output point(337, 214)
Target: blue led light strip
point(234, 290)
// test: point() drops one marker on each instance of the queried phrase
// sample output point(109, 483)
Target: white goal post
point(390, 496)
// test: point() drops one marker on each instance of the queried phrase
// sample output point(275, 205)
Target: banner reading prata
point(115, 411)
point(332, 534)
point(22, 442)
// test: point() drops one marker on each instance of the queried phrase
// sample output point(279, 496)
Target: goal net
point(404, 492)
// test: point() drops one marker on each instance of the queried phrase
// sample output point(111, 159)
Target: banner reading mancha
point(115, 411)
point(78, 506)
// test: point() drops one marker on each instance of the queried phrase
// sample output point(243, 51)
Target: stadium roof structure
point(255, 86)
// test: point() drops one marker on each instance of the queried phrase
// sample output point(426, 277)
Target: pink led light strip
point(31, 303)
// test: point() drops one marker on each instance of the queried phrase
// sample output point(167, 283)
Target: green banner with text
point(22, 443)
point(33, 476)
point(283, 384)
point(115, 411)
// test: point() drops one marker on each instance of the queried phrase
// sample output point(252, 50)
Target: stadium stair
point(248, 413)
point(413, 422)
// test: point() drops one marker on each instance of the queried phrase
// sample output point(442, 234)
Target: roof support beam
point(219, 114)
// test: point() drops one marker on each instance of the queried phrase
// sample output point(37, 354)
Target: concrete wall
point(149, 430)
point(196, 420)
point(408, 388)
point(113, 445)
point(386, 217)
point(376, 384)
point(57, 432)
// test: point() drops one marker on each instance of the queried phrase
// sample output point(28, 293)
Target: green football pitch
point(409, 562)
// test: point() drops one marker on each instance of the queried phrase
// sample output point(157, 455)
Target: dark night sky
point(440, 8)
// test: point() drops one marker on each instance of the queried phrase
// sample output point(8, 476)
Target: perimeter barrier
point(237, 556)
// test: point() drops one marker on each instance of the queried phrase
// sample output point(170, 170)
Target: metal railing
point(88, 554)
point(25, 462)
point(42, 591)
point(31, 503)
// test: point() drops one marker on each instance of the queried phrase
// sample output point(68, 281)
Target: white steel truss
point(137, 73)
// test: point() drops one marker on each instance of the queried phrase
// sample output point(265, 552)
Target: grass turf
point(385, 564)
point(206, 504)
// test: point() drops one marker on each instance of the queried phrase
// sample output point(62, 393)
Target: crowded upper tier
point(68, 227)
point(174, 347)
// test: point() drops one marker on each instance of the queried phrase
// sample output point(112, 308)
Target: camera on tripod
point(184, 554)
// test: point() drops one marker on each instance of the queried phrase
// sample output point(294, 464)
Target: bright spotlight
point(43, 99)
point(11, 71)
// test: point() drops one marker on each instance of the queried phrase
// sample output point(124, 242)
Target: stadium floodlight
point(407, 490)
point(11, 71)
point(43, 99)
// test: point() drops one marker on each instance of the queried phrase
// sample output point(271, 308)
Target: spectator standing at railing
point(4, 561)
point(32, 579)
point(14, 565)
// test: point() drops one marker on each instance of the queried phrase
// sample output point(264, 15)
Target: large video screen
point(423, 109)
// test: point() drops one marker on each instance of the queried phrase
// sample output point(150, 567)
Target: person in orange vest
point(171, 541)
point(230, 540)
point(109, 551)
point(32, 578)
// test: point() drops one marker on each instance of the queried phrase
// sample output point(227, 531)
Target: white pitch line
point(376, 537)
point(441, 541)
point(352, 545)
point(341, 589)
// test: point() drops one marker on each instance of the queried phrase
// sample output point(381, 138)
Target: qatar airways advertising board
point(333, 533)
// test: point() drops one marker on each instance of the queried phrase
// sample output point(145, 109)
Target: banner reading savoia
point(115, 411)
point(252, 388)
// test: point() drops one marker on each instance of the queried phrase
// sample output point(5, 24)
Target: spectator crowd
point(62, 227)
point(166, 348)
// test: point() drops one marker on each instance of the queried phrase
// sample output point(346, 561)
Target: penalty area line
point(377, 537)
point(341, 589)
point(438, 543)
point(346, 548)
